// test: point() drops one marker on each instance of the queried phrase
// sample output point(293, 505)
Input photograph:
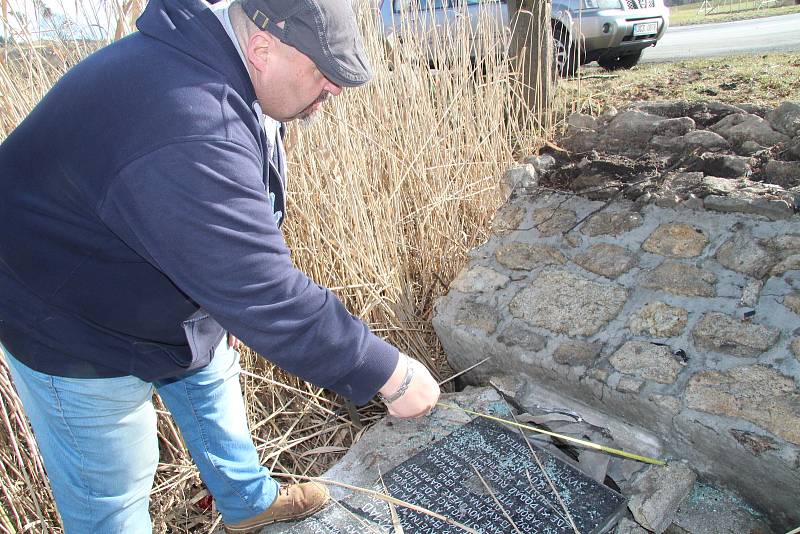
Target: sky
point(77, 18)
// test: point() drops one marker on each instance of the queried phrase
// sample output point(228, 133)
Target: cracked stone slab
point(568, 304)
point(523, 256)
point(659, 493)
point(723, 333)
point(756, 393)
point(658, 319)
point(680, 279)
point(647, 361)
point(676, 240)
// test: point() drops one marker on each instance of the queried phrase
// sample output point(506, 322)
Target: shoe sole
point(309, 513)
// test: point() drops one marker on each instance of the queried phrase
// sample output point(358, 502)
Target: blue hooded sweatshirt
point(136, 223)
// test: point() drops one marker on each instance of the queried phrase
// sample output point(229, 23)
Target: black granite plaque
point(443, 479)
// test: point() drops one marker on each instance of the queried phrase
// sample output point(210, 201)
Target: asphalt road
point(755, 36)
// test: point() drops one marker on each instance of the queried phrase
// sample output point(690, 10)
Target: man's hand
point(411, 391)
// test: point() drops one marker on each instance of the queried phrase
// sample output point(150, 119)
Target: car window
point(455, 3)
point(418, 5)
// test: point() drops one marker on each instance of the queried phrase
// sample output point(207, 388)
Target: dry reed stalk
point(496, 500)
point(388, 192)
point(545, 474)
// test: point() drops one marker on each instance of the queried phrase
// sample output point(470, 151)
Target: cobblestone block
point(479, 279)
point(614, 223)
point(722, 333)
point(676, 241)
point(477, 315)
point(680, 279)
point(658, 319)
point(648, 361)
point(553, 221)
point(792, 263)
point(744, 254)
point(577, 352)
point(568, 304)
point(507, 219)
point(756, 393)
point(525, 256)
point(606, 259)
point(519, 334)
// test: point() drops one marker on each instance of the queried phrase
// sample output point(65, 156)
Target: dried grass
point(388, 192)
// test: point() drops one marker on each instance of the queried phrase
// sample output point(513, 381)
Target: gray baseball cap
point(324, 30)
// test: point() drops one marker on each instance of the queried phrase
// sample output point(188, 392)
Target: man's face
point(290, 86)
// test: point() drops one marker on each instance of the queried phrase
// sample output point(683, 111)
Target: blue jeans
point(100, 448)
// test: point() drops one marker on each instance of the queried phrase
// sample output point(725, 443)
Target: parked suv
point(611, 32)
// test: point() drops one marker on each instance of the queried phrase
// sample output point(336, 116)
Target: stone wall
point(680, 317)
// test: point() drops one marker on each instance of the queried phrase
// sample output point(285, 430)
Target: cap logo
point(256, 15)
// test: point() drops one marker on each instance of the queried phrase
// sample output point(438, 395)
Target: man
point(139, 222)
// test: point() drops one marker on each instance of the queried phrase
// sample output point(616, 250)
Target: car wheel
point(567, 57)
point(620, 62)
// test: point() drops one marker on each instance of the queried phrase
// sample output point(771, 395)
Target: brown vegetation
point(388, 191)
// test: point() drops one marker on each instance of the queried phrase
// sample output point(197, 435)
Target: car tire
point(620, 62)
point(567, 56)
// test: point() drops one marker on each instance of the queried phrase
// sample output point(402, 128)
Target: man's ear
point(259, 49)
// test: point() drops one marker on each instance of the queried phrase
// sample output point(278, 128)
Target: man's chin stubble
point(309, 119)
point(310, 116)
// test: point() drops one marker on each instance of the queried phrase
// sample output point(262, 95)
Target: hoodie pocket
point(153, 361)
point(203, 334)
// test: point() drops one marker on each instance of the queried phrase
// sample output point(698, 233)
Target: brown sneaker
point(295, 501)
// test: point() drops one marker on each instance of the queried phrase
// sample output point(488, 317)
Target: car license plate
point(645, 28)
